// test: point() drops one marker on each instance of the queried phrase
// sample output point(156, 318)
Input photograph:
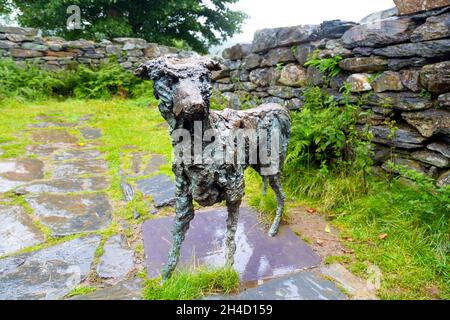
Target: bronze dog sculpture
point(182, 84)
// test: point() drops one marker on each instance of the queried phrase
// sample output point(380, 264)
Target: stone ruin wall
point(54, 53)
point(398, 59)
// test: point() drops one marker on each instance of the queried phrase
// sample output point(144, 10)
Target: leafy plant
point(328, 66)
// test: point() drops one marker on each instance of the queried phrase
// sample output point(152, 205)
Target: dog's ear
point(148, 70)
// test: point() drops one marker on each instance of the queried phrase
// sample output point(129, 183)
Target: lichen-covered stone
point(432, 158)
point(265, 77)
point(293, 75)
point(410, 79)
point(283, 92)
point(364, 64)
point(436, 77)
point(237, 52)
point(436, 27)
point(387, 81)
point(379, 33)
point(314, 76)
point(405, 137)
point(413, 6)
point(427, 49)
point(444, 179)
point(429, 122)
point(403, 163)
point(398, 64)
point(23, 53)
point(251, 61)
point(276, 56)
point(359, 82)
point(441, 147)
point(405, 101)
point(303, 52)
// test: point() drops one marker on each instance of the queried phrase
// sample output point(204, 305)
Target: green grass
point(189, 285)
point(81, 291)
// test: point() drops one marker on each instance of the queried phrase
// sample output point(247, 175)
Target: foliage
point(328, 66)
point(32, 82)
point(185, 285)
point(324, 135)
point(196, 24)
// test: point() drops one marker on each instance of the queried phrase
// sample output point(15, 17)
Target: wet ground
point(60, 228)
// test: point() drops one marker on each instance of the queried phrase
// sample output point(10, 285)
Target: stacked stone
point(272, 68)
point(54, 53)
point(397, 60)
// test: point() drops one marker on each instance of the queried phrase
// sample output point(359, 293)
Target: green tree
point(194, 24)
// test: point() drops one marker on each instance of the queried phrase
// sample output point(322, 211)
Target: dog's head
point(181, 82)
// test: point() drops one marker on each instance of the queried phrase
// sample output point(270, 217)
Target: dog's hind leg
point(264, 185)
point(184, 215)
point(275, 183)
point(232, 221)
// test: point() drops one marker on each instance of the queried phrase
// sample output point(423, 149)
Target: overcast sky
point(283, 13)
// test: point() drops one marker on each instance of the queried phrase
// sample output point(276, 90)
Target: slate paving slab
point(53, 136)
point(91, 133)
point(14, 172)
point(300, 286)
point(71, 214)
point(17, 231)
point(160, 187)
point(43, 150)
point(66, 185)
point(49, 273)
point(72, 154)
point(125, 290)
point(79, 167)
point(155, 163)
point(117, 259)
point(258, 256)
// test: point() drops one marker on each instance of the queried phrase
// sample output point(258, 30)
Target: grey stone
point(257, 257)
point(437, 27)
point(380, 15)
point(303, 52)
point(34, 46)
point(283, 92)
point(387, 81)
point(444, 179)
point(410, 79)
point(155, 163)
point(436, 77)
point(276, 56)
point(237, 52)
point(357, 288)
point(314, 76)
point(379, 33)
point(251, 61)
point(441, 147)
point(413, 6)
point(265, 77)
point(404, 137)
point(161, 188)
point(66, 185)
point(232, 65)
point(72, 154)
point(22, 53)
point(405, 101)
point(50, 273)
point(429, 122)
point(5, 44)
point(333, 29)
point(427, 49)
point(364, 64)
point(359, 82)
point(16, 30)
point(80, 167)
point(398, 64)
point(266, 39)
point(224, 87)
point(293, 75)
point(72, 214)
point(125, 290)
point(91, 133)
point(432, 158)
point(300, 286)
point(217, 75)
point(17, 231)
point(407, 164)
point(363, 51)
point(117, 259)
point(334, 48)
point(444, 100)
point(246, 86)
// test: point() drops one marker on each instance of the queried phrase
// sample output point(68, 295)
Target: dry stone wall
point(53, 53)
point(398, 60)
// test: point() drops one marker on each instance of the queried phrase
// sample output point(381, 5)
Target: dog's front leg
point(232, 220)
point(184, 215)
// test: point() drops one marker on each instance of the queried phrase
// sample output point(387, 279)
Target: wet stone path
point(62, 228)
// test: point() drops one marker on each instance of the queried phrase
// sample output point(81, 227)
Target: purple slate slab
point(257, 255)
